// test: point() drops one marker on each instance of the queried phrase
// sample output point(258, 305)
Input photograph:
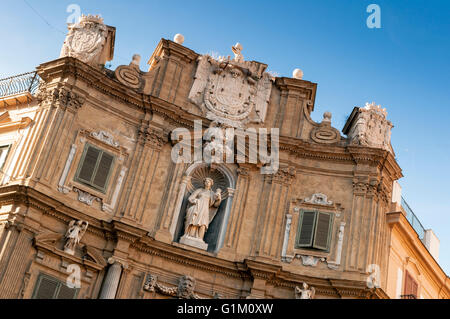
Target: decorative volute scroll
point(73, 235)
point(232, 91)
point(325, 133)
point(184, 290)
point(131, 75)
point(90, 41)
point(368, 126)
point(306, 292)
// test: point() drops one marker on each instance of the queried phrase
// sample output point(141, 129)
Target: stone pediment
point(51, 242)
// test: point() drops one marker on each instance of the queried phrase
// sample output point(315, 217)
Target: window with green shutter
point(314, 230)
point(95, 168)
point(48, 287)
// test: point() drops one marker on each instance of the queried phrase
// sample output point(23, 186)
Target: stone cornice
point(191, 258)
point(29, 197)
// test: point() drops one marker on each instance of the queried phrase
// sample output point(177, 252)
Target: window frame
point(80, 165)
point(314, 230)
point(58, 287)
point(8, 148)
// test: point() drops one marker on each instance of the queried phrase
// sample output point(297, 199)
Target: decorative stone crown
point(368, 126)
point(90, 41)
point(375, 108)
point(91, 18)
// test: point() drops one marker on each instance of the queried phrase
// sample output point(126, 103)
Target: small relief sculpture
point(305, 292)
point(204, 203)
point(89, 40)
point(74, 234)
point(319, 198)
point(310, 260)
point(217, 148)
point(105, 137)
point(85, 197)
point(185, 289)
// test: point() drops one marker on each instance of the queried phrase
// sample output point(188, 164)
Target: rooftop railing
point(26, 82)
point(413, 220)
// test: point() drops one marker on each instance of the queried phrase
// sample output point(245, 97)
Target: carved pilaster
point(238, 212)
point(272, 208)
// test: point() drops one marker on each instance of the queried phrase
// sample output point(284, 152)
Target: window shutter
point(322, 232)
point(410, 285)
point(103, 169)
point(45, 288)
point(3, 154)
point(414, 287)
point(66, 293)
point(89, 163)
point(306, 229)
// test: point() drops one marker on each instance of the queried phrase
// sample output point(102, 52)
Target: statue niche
point(204, 203)
point(204, 212)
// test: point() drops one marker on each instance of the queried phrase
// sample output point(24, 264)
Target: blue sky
point(404, 65)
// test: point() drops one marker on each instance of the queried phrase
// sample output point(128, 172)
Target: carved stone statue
point(204, 203)
point(185, 289)
point(370, 127)
point(90, 41)
point(305, 292)
point(74, 234)
point(237, 48)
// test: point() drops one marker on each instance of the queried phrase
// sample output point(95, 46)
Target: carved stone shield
point(229, 94)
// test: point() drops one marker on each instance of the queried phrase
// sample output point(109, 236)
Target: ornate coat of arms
point(232, 92)
point(87, 41)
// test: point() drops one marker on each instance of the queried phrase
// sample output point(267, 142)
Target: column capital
point(114, 260)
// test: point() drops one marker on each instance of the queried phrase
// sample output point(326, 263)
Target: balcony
point(18, 89)
point(413, 220)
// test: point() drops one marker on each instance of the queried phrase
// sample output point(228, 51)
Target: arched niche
point(193, 178)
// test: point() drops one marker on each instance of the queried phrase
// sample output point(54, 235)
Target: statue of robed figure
point(204, 204)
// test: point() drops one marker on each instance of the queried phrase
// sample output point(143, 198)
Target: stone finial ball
point(136, 59)
point(297, 74)
point(178, 38)
point(327, 117)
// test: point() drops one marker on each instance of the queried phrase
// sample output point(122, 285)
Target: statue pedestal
point(193, 241)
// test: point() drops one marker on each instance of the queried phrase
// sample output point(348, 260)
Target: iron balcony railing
point(26, 82)
point(413, 220)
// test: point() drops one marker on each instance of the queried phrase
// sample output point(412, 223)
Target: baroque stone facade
point(92, 183)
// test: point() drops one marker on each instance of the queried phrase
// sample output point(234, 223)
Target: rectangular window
point(410, 289)
point(314, 230)
point(51, 288)
point(4, 150)
point(95, 168)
